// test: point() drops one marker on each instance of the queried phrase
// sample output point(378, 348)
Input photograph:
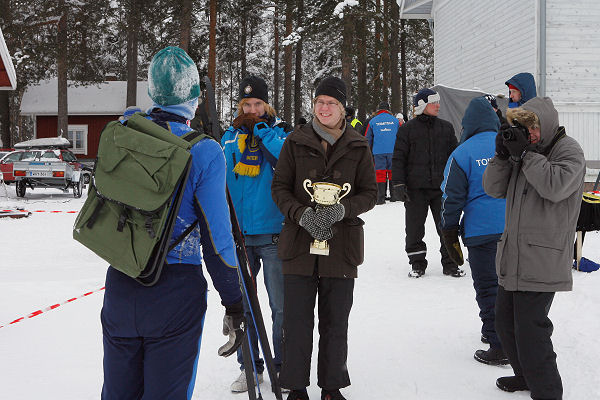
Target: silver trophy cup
point(325, 194)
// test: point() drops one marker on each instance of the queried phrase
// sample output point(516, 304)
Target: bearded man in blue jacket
point(482, 216)
point(252, 146)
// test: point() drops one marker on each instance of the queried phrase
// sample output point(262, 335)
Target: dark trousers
point(525, 331)
point(151, 335)
point(335, 302)
point(482, 260)
point(421, 201)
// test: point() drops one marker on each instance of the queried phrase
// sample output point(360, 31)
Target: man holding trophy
point(323, 181)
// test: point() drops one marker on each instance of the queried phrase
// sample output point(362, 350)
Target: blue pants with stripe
point(152, 335)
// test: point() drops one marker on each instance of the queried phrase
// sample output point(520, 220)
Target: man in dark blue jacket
point(521, 88)
point(381, 133)
point(483, 216)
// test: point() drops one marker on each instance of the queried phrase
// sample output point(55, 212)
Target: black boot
point(511, 383)
point(298, 395)
point(381, 188)
point(493, 356)
point(331, 395)
point(393, 193)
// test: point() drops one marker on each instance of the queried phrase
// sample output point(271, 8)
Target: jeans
point(273, 278)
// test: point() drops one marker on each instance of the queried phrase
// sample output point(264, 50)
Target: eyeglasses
point(321, 103)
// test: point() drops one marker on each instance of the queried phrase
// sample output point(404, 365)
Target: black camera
point(513, 132)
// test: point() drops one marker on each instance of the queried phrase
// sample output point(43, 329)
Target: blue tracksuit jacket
point(526, 85)
point(254, 206)
point(381, 133)
point(483, 219)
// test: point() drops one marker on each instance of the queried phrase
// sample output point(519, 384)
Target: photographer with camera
point(539, 170)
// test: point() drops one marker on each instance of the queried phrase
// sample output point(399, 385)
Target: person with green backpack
point(152, 334)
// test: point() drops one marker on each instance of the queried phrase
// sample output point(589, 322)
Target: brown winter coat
point(350, 161)
point(543, 197)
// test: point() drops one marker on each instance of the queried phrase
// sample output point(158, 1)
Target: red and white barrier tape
point(52, 307)
point(41, 211)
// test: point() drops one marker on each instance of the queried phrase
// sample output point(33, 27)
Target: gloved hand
point(234, 325)
point(246, 120)
point(325, 216)
point(308, 221)
point(261, 129)
point(450, 238)
point(518, 143)
point(501, 150)
point(401, 192)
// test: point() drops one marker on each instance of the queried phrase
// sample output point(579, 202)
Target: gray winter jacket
point(543, 197)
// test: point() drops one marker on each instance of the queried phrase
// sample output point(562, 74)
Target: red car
point(7, 160)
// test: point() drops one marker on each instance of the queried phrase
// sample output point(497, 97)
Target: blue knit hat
point(422, 98)
point(173, 77)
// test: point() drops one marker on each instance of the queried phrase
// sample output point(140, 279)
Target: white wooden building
point(482, 43)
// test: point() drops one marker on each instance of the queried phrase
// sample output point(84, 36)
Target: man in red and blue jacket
point(381, 133)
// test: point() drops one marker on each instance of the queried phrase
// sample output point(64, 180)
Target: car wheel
point(78, 188)
point(20, 188)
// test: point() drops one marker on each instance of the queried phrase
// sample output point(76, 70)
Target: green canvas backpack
point(134, 196)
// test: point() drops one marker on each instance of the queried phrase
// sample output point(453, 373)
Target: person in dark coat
point(482, 220)
point(324, 150)
point(422, 147)
point(540, 172)
point(521, 88)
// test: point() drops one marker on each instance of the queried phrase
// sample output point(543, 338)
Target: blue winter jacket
point(381, 132)
point(204, 201)
point(256, 211)
point(526, 85)
point(483, 219)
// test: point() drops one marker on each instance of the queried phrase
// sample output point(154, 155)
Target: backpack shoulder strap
point(193, 137)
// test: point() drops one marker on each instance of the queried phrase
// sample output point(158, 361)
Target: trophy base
point(319, 247)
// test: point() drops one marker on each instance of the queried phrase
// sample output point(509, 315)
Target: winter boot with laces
point(331, 395)
point(298, 395)
point(240, 385)
point(416, 273)
point(512, 383)
point(493, 356)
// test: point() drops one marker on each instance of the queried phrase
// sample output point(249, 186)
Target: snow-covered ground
point(409, 338)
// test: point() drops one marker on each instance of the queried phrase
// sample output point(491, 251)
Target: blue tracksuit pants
point(151, 335)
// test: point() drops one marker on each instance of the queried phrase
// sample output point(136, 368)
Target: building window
point(78, 137)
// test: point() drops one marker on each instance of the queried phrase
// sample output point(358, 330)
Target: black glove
point(234, 325)
point(450, 238)
point(325, 216)
point(501, 150)
point(318, 231)
point(516, 140)
point(401, 192)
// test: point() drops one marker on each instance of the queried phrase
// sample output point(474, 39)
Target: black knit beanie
point(254, 87)
point(334, 87)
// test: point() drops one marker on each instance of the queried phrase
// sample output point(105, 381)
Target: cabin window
point(78, 137)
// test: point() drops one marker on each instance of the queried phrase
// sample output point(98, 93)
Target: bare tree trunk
point(403, 69)
point(287, 71)
point(298, 73)
point(362, 62)
point(244, 40)
point(276, 58)
point(212, 40)
point(385, 53)
point(347, 34)
point(61, 64)
point(132, 52)
point(185, 34)
point(395, 76)
point(377, 84)
point(4, 119)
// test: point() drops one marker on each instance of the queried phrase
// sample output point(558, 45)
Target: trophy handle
point(345, 187)
point(306, 184)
